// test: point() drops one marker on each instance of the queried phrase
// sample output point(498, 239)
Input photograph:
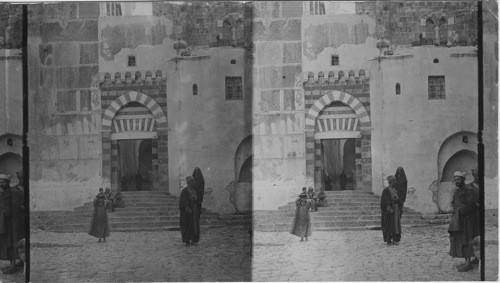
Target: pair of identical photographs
point(172, 141)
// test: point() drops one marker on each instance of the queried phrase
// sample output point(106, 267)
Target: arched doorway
point(337, 125)
point(133, 122)
point(464, 160)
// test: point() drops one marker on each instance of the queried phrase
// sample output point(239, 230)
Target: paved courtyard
point(362, 255)
point(223, 254)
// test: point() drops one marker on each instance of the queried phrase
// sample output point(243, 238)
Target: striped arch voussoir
point(323, 101)
point(130, 96)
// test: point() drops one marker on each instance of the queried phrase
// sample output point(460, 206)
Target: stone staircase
point(144, 211)
point(347, 210)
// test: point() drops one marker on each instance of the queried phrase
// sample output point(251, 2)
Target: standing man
point(462, 228)
point(6, 242)
point(18, 215)
point(343, 180)
point(475, 186)
point(391, 218)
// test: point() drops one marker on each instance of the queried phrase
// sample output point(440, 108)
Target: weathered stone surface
point(269, 100)
point(291, 9)
point(267, 10)
point(268, 53)
point(85, 100)
point(291, 75)
point(277, 30)
point(292, 53)
point(85, 75)
point(293, 146)
point(68, 147)
point(46, 77)
point(288, 99)
point(90, 146)
point(87, 10)
point(66, 100)
point(66, 54)
point(89, 53)
point(50, 32)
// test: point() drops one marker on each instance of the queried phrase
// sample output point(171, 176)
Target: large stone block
point(269, 100)
point(68, 147)
point(90, 146)
point(293, 146)
point(285, 30)
point(66, 100)
point(291, 75)
point(49, 147)
point(268, 147)
point(86, 74)
point(66, 54)
point(86, 30)
point(85, 100)
point(268, 53)
point(88, 10)
point(89, 53)
point(291, 9)
point(51, 32)
point(292, 53)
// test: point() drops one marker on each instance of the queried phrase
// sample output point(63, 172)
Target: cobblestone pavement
point(362, 255)
point(223, 254)
point(17, 277)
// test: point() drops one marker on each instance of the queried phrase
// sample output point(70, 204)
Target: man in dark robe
point(189, 215)
point(401, 187)
point(463, 228)
point(391, 219)
point(199, 188)
point(301, 226)
point(6, 240)
point(475, 186)
point(99, 225)
point(343, 180)
point(18, 207)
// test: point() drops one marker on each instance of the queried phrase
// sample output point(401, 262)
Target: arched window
point(429, 29)
point(398, 88)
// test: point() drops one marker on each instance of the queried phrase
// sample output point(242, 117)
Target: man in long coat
point(463, 227)
point(18, 208)
point(6, 240)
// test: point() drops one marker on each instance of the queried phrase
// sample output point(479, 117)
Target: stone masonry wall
point(279, 150)
point(65, 155)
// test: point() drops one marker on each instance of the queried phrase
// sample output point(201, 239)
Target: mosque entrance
point(339, 160)
point(135, 164)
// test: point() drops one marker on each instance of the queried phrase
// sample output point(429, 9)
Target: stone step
point(138, 208)
point(340, 208)
point(333, 218)
point(280, 227)
point(267, 213)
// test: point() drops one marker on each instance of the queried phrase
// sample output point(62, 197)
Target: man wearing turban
point(463, 227)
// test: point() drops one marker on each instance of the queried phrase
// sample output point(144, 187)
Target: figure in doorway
point(118, 201)
point(463, 228)
point(109, 198)
point(343, 180)
point(99, 225)
point(189, 215)
point(138, 180)
point(401, 187)
point(391, 220)
point(328, 181)
point(301, 226)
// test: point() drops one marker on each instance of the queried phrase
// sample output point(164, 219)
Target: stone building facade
point(125, 89)
point(382, 85)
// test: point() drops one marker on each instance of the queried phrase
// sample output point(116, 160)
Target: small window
point(398, 89)
point(234, 88)
point(437, 87)
point(131, 61)
point(335, 60)
point(436, 60)
point(195, 89)
point(233, 61)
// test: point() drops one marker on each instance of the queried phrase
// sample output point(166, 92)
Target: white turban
point(459, 173)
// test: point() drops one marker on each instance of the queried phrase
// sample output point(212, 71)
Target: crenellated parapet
point(131, 78)
point(339, 77)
